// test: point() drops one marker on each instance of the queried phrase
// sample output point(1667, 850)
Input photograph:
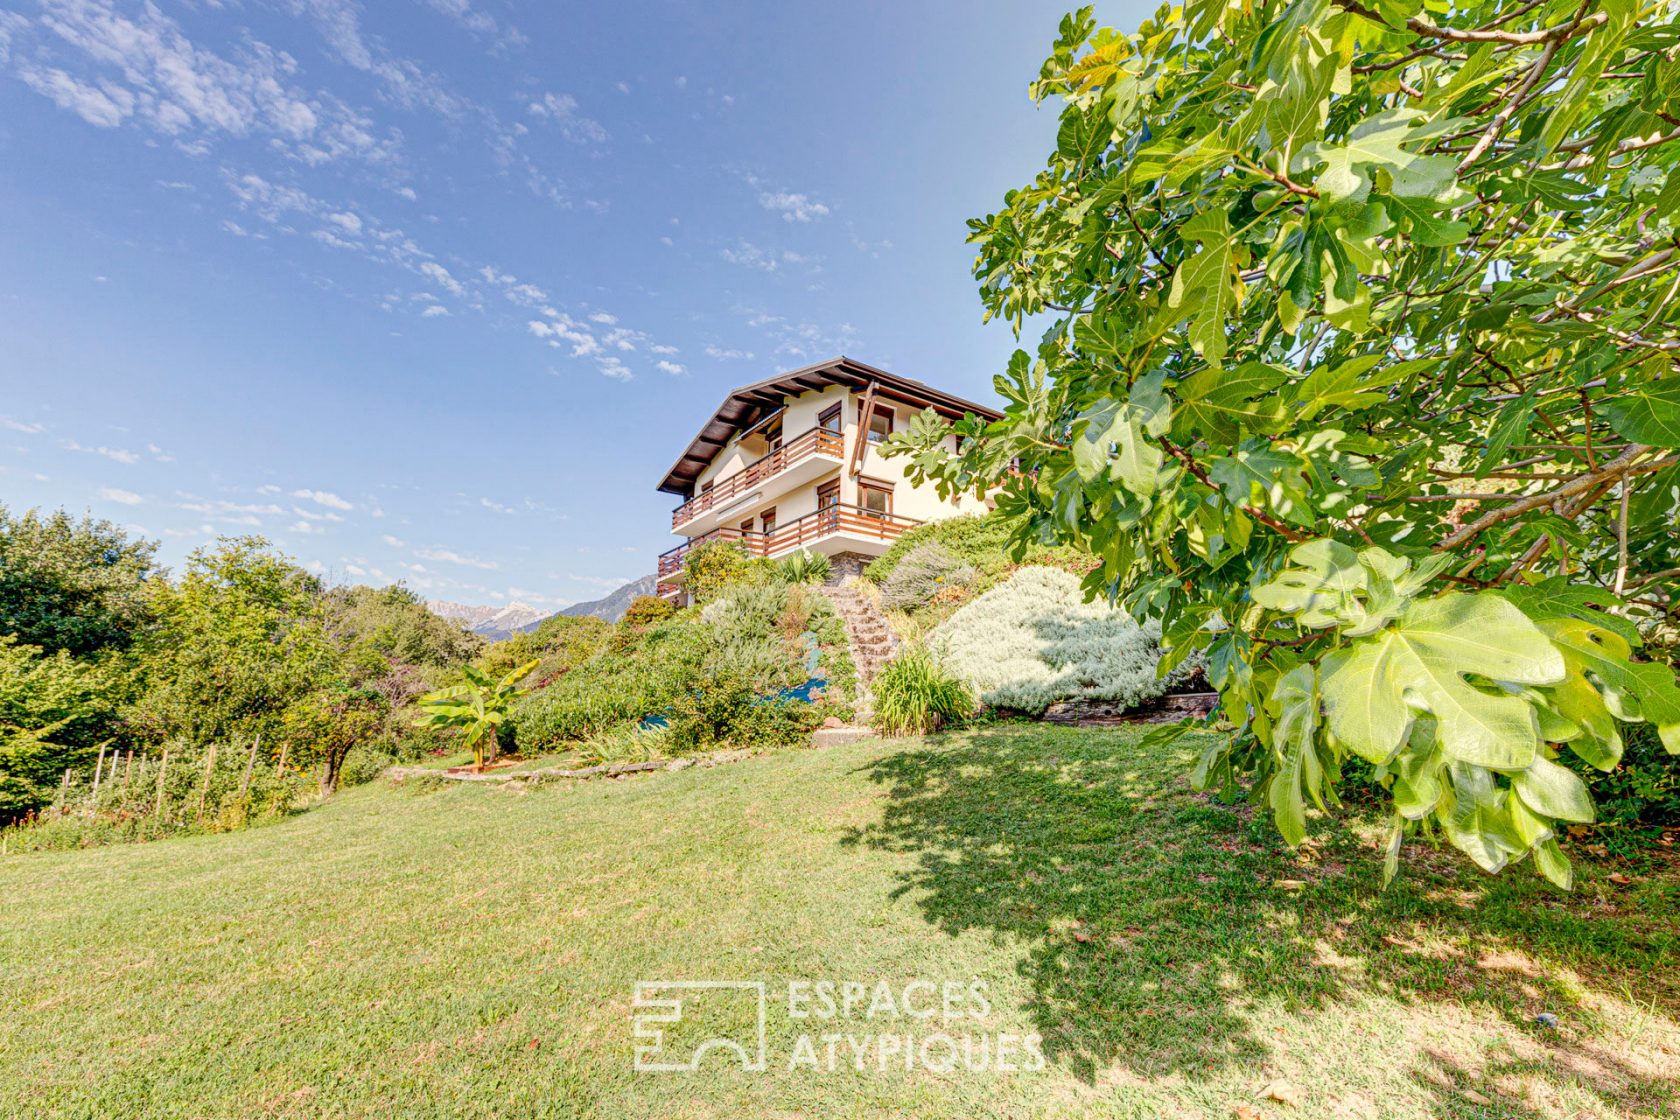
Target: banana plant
point(477, 708)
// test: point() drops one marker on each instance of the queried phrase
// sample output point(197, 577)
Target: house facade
point(793, 463)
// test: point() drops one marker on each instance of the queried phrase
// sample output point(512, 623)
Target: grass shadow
point(1154, 921)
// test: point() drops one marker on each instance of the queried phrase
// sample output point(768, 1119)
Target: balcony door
point(875, 499)
point(828, 504)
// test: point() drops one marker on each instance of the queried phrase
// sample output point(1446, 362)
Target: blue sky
point(436, 290)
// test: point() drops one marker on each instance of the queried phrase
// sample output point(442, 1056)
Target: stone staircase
point(871, 639)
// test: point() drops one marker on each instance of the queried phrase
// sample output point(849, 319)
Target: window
point(767, 521)
point(875, 498)
point(828, 494)
point(880, 422)
point(773, 435)
point(829, 418)
point(746, 527)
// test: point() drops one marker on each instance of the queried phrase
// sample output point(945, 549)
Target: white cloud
point(672, 368)
point(116, 454)
point(159, 453)
point(103, 108)
point(666, 350)
point(445, 556)
point(392, 541)
point(125, 497)
point(603, 317)
point(305, 527)
point(793, 207)
point(323, 498)
point(561, 110)
point(246, 513)
point(497, 506)
point(433, 311)
point(440, 275)
point(614, 368)
point(346, 220)
point(480, 23)
point(111, 68)
point(749, 255)
point(19, 426)
point(726, 355)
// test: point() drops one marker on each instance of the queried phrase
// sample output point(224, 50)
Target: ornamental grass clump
point(916, 694)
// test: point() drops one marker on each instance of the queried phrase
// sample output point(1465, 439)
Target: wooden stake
point(204, 788)
point(98, 772)
point(280, 767)
point(128, 772)
point(163, 766)
point(250, 764)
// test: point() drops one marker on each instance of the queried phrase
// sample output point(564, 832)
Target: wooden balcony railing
point(797, 534)
point(817, 441)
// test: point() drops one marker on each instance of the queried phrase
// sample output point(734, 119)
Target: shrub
point(1639, 798)
point(980, 540)
point(1033, 640)
point(725, 708)
point(750, 612)
point(559, 643)
point(924, 572)
point(716, 566)
point(915, 694)
point(647, 610)
point(804, 567)
point(614, 687)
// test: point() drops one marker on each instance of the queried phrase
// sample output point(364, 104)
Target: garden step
point(870, 637)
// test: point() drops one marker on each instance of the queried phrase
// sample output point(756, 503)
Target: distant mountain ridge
point(495, 623)
point(612, 606)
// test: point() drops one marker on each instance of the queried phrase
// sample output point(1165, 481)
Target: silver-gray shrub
point(1033, 640)
point(925, 570)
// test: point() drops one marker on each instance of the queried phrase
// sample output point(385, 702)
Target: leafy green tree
point(1359, 371)
point(395, 622)
point(72, 585)
point(55, 711)
point(477, 709)
point(241, 637)
point(327, 725)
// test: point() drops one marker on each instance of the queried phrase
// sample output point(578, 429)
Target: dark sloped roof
point(747, 405)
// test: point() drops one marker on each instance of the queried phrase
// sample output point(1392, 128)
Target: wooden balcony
point(799, 449)
point(849, 523)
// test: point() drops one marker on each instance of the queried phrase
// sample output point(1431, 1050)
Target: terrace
point(834, 524)
point(796, 460)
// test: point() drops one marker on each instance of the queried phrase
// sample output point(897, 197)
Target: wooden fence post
point(250, 764)
point(98, 772)
point(128, 772)
point(209, 764)
point(280, 767)
point(163, 767)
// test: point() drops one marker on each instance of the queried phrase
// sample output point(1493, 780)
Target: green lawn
point(473, 951)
